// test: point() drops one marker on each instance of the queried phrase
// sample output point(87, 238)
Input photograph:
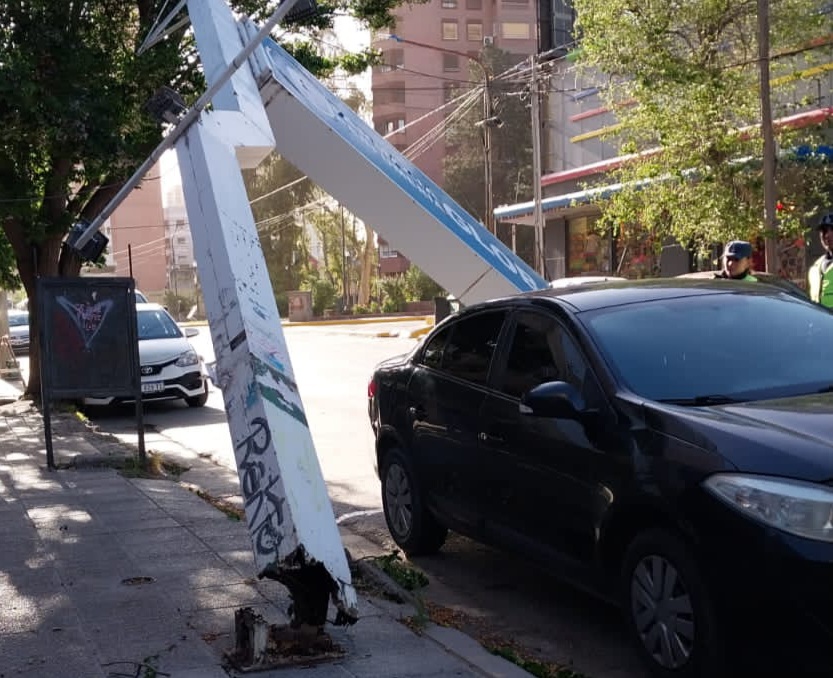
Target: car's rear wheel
point(412, 526)
point(201, 399)
point(669, 608)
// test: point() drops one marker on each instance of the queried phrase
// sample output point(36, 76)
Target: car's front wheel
point(201, 399)
point(412, 526)
point(669, 608)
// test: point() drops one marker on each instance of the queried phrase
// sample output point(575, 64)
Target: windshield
point(742, 346)
point(18, 319)
point(157, 325)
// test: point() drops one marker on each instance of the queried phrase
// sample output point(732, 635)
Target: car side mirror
point(557, 399)
point(191, 332)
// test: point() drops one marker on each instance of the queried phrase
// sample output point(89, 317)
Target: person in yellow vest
point(820, 275)
point(737, 262)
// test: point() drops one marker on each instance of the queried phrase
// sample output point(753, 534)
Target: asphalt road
point(501, 595)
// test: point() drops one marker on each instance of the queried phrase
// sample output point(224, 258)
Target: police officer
point(820, 276)
point(737, 262)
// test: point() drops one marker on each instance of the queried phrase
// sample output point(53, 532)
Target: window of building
point(451, 62)
point(514, 30)
point(386, 251)
point(450, 30)
point(449, 4)
point(389, 94)
point(474, 31)
point(474, 4)
point(389, 126)
point(587, 250)
point(392, 60)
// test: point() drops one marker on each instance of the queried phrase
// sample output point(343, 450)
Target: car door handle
point(416, 412)
point(486, 438)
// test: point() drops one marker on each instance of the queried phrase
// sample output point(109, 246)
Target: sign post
point(83, 322)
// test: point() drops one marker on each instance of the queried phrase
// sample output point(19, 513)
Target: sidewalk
point(104, 575)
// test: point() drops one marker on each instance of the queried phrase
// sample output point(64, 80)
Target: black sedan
point(667, 444)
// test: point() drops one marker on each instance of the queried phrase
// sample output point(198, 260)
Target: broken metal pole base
point(260, 646)
point(310, 587)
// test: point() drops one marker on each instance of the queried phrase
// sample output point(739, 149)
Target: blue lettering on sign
point(302, 85)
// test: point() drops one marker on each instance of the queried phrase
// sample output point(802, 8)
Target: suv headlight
point(800, 508)
point(187, 359)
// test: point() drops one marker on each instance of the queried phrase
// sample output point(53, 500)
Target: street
point(502, 596)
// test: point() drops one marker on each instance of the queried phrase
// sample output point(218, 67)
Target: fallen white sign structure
point(263, 99)
point(323, 137)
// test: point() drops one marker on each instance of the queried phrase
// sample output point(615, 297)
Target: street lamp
point(489, 120)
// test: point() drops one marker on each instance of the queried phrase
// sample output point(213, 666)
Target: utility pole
point(488, 121)
point(538, 217)
point(770, 220)
point(489, 217)
point(343, 262)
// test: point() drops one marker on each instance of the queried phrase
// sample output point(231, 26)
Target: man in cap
point(820, 275)
point(737, 262)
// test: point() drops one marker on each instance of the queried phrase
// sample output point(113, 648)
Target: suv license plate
point(153, 387)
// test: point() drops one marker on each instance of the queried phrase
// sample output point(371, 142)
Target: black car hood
point(787, 437)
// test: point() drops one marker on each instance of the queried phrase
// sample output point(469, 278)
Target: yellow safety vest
point(821, 283)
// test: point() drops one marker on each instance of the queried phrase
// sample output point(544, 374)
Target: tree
point(463, 167)
point(276, 188)
point(74, 128)
point(682, 79)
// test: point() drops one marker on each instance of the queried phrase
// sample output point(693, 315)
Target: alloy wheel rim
point(662, 612)
point(398, 501)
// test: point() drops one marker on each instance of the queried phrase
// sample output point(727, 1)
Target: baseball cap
point(826, 222)
point(739, 249)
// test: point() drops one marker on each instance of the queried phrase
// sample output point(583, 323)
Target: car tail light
point(371, 388)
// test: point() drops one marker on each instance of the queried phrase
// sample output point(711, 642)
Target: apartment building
point(150, 237)
point(415, 80)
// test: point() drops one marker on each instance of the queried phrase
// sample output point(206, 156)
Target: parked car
point(768, 278)
point(571, 281)
point(170, 367)
point(19, 331)
point(642, 440)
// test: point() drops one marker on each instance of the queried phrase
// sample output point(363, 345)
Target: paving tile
point(50, 653)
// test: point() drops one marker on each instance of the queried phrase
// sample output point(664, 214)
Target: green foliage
point(394, 293)
point(419, 286)
point(72, 104)
point(323, 293)
point(683, 79)
point(178, 305)
point(404, 574)
point(358, 309)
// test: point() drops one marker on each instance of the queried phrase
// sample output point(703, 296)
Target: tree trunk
point(46, 259)
point(367, 266)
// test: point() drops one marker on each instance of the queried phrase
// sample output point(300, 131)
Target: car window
point(745, 346)
point(18, 319)
point(432, 355)
point(471, 344)
point(542, 350)
point(156, 324)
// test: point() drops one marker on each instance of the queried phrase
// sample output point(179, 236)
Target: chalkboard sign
point(88, 336)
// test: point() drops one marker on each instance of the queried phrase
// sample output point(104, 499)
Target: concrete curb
point(361, 552)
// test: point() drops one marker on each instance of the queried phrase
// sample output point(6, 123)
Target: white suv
point(169, 365)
